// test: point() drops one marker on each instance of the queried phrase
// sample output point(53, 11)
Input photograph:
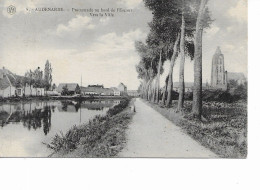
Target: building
point(218, 72)
point(107, 92)
point(96, 90)
point(188, 86)
point(73, 88)
point(123, 89)
point(7, 84)
point(133, 93)
point(116, 92)
point(89, 90)
point(219, 76)
point(30, 91)
point(238, 77)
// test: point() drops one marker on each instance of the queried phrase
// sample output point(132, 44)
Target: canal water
point(25, 127)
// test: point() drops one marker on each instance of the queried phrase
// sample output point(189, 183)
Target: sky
point(101, 49)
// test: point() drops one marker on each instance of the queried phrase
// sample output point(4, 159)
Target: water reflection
point(35, 115)
point(26, 126)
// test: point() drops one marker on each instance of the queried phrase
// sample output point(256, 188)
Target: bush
point(240, 93)
point(118, 108)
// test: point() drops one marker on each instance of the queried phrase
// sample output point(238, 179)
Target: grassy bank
point(103, 136)
point(223, 129)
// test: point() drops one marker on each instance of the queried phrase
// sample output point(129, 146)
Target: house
point(9, 87)
point(89, 91)
point(133, 93)
point(7, 84)
point(123, 89)
point(116, 92)
point(28, 90)
point(73, 88)
point(97, 90)
point(107, 92)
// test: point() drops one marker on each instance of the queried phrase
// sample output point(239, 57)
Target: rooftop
point(93, 88)
point(235, 76)
point(70, 86)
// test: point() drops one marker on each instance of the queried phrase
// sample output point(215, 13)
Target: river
point(25, 127)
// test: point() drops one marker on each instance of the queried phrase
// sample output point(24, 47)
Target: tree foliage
point(164, 38)
point(65, 90)
point(47, 75)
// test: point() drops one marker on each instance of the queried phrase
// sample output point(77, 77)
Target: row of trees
point(37, 78)
point(175, 30)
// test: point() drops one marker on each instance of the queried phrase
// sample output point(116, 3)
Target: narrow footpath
point(152, 135)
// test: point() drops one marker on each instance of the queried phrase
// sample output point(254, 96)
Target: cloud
point(102, 49)
point(124, 41)
point(105, 61)
point(130, 3)
point(104, 20)
point(213, 30)
point(239, 11)
point(75, 25)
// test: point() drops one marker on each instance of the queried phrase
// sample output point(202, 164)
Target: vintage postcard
point(123, 78)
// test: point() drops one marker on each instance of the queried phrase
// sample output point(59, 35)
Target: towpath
point(152, 135)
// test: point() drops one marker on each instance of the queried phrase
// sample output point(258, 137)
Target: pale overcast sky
point(101, 49)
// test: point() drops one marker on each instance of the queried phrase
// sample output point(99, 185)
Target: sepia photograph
point(124, 79)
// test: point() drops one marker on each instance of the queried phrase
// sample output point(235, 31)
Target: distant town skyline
point(101, 49)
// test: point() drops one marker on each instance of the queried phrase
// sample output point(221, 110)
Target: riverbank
point(223, 129)
point(103, 136)
point(42, 98)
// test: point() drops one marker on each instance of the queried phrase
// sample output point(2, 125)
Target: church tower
point(218, 73)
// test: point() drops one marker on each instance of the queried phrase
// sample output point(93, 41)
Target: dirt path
point(152, 135)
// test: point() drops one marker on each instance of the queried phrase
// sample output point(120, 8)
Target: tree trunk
point(154, 90)
point(143, 89)
point(170, 83)
point(158, 79)
point(148, 89)
point(165, 90)
point(182, 62)
point(197, 88)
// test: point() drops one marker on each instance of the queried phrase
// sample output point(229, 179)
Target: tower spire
point(218, 51)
